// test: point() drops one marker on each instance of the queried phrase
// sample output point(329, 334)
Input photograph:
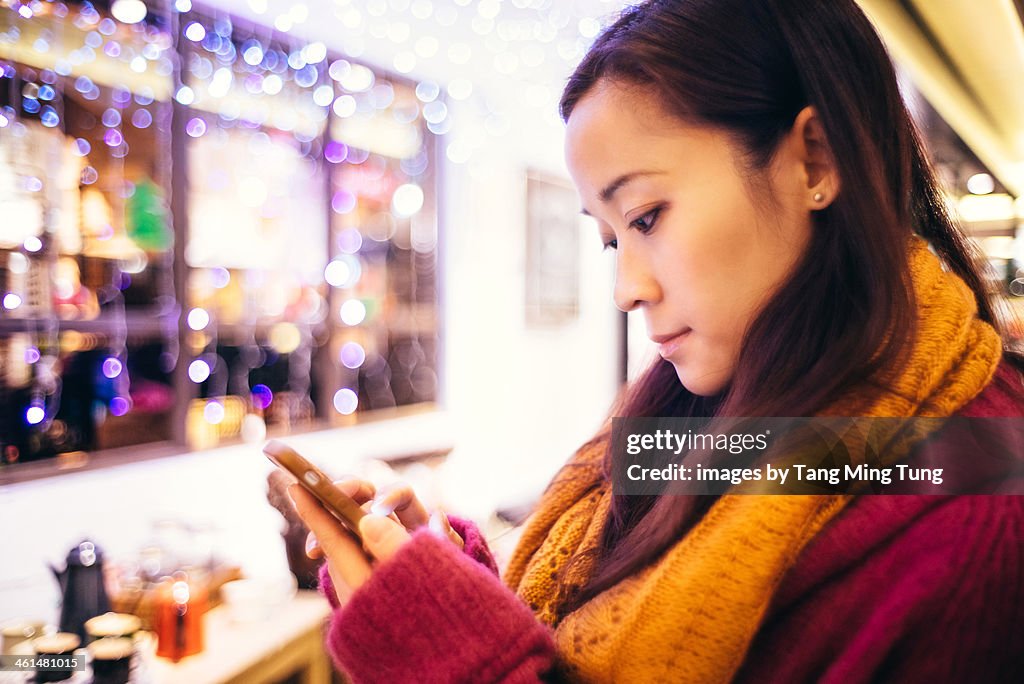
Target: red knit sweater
point(896, 588)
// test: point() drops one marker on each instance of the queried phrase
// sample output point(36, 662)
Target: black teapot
point(83, 594)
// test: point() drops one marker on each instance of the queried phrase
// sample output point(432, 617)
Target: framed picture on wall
point(552, 251)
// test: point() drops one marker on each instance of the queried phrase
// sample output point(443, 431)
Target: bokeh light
point(352, 355)
point(261, 396)
point(350, 240)
point(285, 337)
point(195, 32)
point(337, 273)
point(353, 312)
point(111, 117)
point(196, 127)
point(427, 91)
point(213, 412)
point(128, 11)
point(252, 53)
point(221, 277)
point(198, 318)
point(112, 367)
point(198, 371)
point(49, 117)
point(254, 428)
point(119, 406)
point(358, 79)
point(185, 95)
point(323, 95)
point(34, 415)
point(345, 401)
point(981, 184)
point(142, 118)
point(345, 106)
point(335, 152)
point(407, 200)
point(343, 201)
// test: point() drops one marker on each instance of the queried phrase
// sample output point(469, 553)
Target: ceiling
point(965, 56)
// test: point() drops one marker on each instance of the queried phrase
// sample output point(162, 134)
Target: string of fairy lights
point(37, 214)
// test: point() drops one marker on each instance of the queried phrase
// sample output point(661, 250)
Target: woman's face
point(694, 249)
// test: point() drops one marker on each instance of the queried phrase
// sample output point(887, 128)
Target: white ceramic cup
point(258, 598)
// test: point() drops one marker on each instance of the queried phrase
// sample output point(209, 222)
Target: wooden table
point(258, 652)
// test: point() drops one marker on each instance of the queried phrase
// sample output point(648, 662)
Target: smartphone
point(314, 481)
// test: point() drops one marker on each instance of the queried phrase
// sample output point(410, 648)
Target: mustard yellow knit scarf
point(691, 616)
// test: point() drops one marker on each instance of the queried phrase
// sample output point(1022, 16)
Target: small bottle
point(179, 617)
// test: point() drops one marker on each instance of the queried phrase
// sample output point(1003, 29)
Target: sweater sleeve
point(474, 545)
point(435, 614)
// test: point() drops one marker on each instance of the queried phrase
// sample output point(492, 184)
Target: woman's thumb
point(382, 536)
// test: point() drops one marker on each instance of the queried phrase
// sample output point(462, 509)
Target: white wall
point(524, 398)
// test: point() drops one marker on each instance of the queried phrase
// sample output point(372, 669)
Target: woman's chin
point(701, 383)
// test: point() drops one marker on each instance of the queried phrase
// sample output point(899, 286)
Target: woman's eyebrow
point(613, 187)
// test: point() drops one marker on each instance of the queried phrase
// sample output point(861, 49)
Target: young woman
point(771, 210)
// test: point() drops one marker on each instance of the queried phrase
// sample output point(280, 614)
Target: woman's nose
point(635, 283)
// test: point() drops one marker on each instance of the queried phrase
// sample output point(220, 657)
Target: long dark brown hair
point(847, 309)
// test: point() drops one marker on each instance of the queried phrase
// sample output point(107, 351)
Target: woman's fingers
point(393, 514)
point(345, 558)
point(401, 500)
point(360, 490)
point(382, 536)
point(441, 526)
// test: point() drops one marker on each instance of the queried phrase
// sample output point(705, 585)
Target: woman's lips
point(667, 346)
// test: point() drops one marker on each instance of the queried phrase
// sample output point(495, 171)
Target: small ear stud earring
point(818, 197)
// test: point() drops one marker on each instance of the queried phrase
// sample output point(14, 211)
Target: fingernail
point(373, 527)
point(379, 507)
point(310, 543)
point(437, 524)
point(442, 527)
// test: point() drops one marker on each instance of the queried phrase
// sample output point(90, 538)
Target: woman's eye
point(646, 222)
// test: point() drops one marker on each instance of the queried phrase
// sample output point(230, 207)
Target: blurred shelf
point(136, 323)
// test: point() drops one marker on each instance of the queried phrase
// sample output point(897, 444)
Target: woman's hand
point(392, 516)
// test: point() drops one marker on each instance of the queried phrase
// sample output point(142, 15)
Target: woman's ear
point(815, 153)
